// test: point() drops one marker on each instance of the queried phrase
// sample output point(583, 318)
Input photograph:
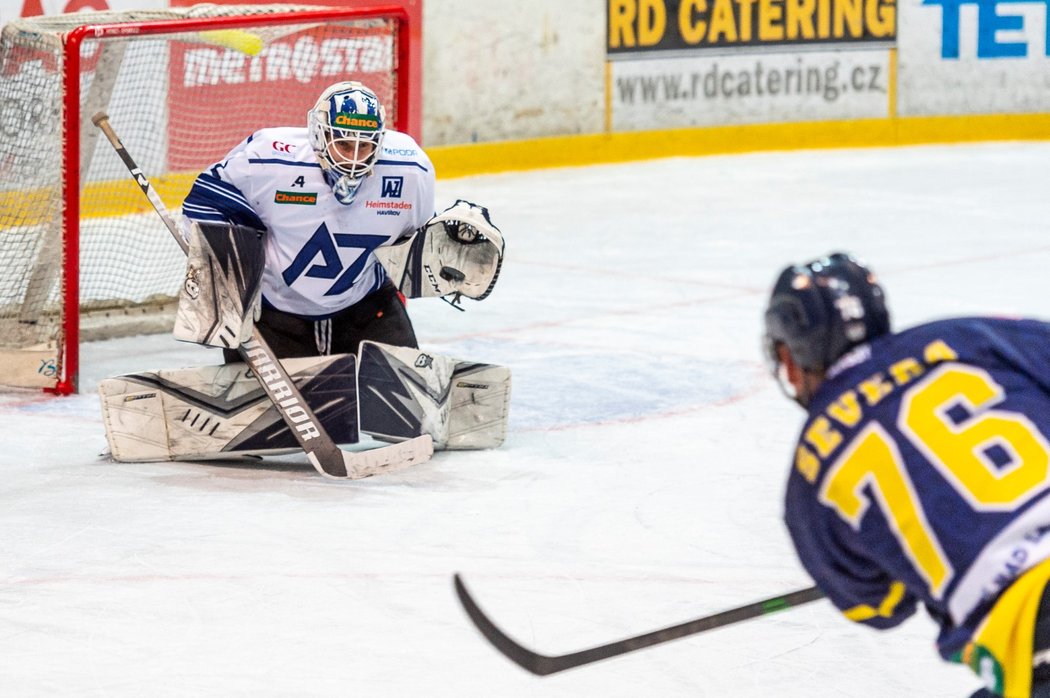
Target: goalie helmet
point(346, 128)
point(823, 309)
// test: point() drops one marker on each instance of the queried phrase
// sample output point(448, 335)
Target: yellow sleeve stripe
point(885, 609)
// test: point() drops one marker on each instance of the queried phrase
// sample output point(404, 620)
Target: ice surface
point(640, 485)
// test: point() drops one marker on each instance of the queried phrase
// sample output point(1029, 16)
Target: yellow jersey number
point(958, 449)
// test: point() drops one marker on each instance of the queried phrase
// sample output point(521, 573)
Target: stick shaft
point(544, 665)
point(101, 120)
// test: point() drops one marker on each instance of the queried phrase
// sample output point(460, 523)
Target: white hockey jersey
point(319, 257)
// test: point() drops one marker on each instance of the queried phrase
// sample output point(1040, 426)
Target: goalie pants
point(379, 317)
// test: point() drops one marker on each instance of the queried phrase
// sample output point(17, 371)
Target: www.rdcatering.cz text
point(828, 81)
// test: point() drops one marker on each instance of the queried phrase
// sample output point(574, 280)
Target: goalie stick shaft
point(544, 665)
point(101, 121)
point(326, 457)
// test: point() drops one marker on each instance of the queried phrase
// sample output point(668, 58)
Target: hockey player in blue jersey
point(323, 200)
point(922, 473)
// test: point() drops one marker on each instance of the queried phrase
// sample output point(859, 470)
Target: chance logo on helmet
point(358, 110)
point(364, 123)
point(346, 128)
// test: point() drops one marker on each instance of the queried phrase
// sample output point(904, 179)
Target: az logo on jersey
point(392, 187)
point(324, 244)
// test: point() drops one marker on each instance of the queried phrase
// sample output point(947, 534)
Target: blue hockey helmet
point(822, 309)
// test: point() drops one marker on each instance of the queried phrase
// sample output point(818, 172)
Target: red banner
point(220, 95)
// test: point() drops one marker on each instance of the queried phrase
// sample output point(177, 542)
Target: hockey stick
point(543, 664)
point(324, 454)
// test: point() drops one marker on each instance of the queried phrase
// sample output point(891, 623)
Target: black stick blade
point(543, 665)
point(528, 660)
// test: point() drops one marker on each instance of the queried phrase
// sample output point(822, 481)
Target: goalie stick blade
point(544, 665)
point(354, 465)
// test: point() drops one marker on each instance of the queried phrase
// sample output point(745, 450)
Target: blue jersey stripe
point(287, 163)
point(202, 213)
point(212, 199)
point(223, 192)
point(221, 186)
point(401, 163)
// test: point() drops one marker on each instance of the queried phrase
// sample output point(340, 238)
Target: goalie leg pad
point(220, 295)
point(480, 401)
point(221, 411)
point(407, 392)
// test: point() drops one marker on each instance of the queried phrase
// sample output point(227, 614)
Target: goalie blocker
point(391, 393)
point(220, 295)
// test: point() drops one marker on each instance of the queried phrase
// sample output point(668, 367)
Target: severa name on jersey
point(822, 438)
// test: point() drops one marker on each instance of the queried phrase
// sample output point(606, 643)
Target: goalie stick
point(543, 664)
point(326, 457)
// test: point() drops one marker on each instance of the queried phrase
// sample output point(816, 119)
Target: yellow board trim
point(570, 151)
point(122, 197)
point(98, 200)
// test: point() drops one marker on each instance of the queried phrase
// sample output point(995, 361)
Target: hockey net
point(83, 256)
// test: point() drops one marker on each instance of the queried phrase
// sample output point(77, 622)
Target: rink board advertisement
point(676, 63)
point(714, 90)
point(970, 57)
point(201, 82)
point(680, 63)
point(597, 65)
point(206, 79)
point(638, 26)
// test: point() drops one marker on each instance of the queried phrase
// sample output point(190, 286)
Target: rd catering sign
point(712, 62)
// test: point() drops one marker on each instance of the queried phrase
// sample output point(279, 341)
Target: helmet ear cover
point(823, 309)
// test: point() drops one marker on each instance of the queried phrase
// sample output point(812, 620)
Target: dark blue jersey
point(923, 470)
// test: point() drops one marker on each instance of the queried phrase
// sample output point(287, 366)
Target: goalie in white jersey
point(283, 236)
point(324, 198)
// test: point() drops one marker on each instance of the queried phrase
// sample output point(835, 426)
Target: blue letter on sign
point(989, 21)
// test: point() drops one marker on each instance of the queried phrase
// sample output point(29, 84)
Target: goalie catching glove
point(459, 251)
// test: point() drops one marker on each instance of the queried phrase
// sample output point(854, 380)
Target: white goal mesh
point(81, 251)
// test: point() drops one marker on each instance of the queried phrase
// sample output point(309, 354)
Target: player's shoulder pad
point(400, 149)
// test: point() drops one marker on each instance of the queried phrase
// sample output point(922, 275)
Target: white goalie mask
point(346, 128)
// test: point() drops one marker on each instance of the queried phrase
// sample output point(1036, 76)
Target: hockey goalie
point(384, 390)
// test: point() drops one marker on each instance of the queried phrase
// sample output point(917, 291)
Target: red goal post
point(82, 256)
